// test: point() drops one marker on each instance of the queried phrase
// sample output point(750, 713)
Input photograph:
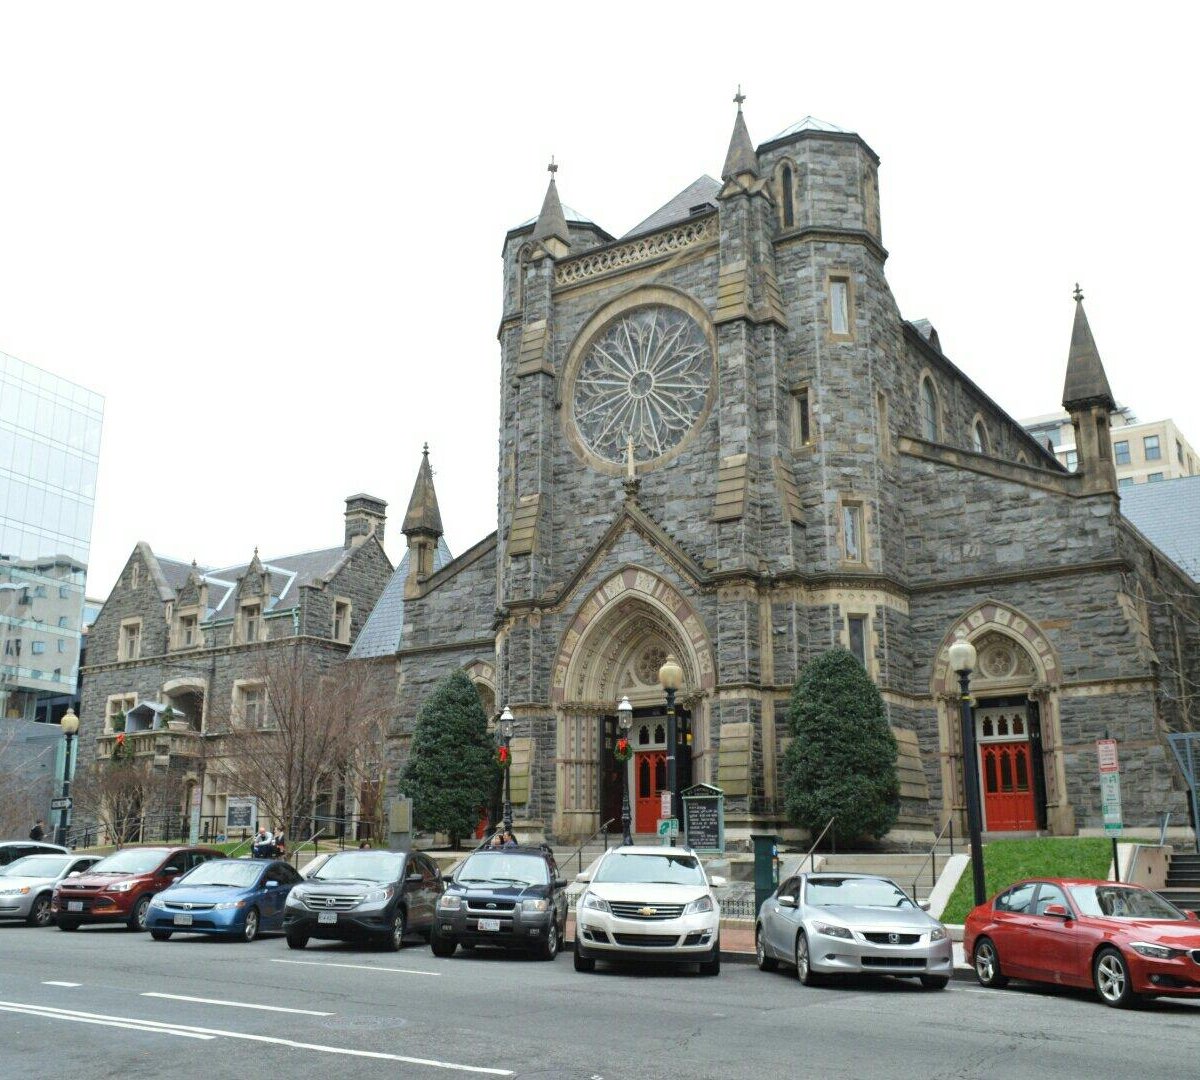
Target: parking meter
point(766, 866)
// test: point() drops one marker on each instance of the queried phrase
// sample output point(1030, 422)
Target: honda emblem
point(893, 939)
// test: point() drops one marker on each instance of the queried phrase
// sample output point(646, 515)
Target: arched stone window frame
point(787, 175)
point(981, 441)
point(482, 674)
point(194, 684)
point(930, 427)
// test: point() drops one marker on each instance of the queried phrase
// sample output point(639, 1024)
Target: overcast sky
point(269, 233)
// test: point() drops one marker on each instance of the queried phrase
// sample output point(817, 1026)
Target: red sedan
point(1123, 940)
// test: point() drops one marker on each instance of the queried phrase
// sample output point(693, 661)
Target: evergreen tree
point(451, 770)
point(842, 760)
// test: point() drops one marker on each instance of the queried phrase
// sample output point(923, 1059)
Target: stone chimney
point(365, 515)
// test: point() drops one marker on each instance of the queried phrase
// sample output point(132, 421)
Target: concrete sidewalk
point(737, 946)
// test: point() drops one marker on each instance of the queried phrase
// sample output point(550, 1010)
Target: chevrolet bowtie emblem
point(648, 911)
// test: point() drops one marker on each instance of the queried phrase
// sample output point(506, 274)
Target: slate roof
point(381, 634)
point(700, 191)
point(568, 213)
point(809, 123)
point(1167, 514)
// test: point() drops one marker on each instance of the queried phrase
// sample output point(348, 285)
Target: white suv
point(651, 903)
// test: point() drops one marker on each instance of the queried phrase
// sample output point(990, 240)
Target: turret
point(1087, 397)
point(422, 527)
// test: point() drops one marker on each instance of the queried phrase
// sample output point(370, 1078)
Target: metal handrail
point(932, 856)
point(807, 858)
point(1162, 829)
point(579, 850)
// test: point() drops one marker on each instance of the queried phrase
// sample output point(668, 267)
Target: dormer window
point(186, 635)
point(251, 618)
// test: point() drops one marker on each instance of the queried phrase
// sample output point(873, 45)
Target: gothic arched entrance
point(613, 649)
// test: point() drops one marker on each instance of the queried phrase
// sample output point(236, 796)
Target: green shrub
point(842, 760)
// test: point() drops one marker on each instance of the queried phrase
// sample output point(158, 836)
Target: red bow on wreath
point(622, 752)
point(502, 757)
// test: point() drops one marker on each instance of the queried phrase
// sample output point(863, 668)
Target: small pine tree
point(842, 760)
point(451, 770)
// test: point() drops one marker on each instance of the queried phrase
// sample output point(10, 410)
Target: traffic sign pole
point(1110, 794)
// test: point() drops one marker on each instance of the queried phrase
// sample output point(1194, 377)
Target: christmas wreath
point(623, 751)
point(503, 757)
point(120, 750)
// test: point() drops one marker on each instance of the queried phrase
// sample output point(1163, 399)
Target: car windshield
point(37, 866)
point(225, 872)
point(361, 866)
point(854, 892)
point(130, 861)
point(664, 869)
point(504, 866)
point(1116, 902)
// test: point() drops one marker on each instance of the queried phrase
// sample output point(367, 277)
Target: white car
point(648, 903)
point(27, 884)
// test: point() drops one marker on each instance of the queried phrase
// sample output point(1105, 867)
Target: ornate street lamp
point(624, 723)
point(505, 727)
point(70, 725)
point(962, 660)
point(670, 678)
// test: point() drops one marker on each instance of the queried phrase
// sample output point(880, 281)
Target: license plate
point(74, 905)
point(489, 924)
point(327, 917)
point(183, 920)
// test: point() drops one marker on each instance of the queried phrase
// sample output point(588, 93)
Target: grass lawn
point(1006, 861)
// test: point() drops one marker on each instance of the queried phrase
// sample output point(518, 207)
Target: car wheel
point(297, 941)
point(394, 941)
point(67, 924)
point(548, 947)
point(987, 965)
point(765, 962)
point(250, 929)
point(442, 946)
point(137, 917)
point(39, 913)
point(712, 966)
point(582, 962)
point(935, 982)
point(161, 935)
point(1110, 973)
point(804, 971)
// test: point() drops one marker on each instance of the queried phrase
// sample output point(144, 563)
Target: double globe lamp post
point(962, 660)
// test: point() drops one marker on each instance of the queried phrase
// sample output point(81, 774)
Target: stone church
point(720, 439)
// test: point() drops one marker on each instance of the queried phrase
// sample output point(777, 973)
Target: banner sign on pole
point(1110, 786)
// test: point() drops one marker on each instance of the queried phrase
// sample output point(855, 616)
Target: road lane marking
point(128, 1025)
point(53, 1013)
point(356, 967)
point(52, 982)
point(237, 1004)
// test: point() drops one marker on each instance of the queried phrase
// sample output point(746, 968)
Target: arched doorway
point(613, 649)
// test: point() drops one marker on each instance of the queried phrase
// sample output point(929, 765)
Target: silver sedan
point(27, 884)
point(851, 924)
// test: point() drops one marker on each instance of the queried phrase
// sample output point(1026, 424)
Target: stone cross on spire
point(551, 168)
point(739, 97)
point(1078, 294)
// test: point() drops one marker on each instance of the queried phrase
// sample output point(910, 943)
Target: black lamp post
point(670, 678)
point(962, 660)
point(506, 734)
point(625, 723)
point(70, 725)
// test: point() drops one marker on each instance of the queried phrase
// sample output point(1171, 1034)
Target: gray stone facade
point(736, 550)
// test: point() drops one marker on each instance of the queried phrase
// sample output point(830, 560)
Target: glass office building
point(49, 451)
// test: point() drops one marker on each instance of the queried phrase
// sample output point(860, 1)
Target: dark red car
point(1124, 941)
point(118, 888)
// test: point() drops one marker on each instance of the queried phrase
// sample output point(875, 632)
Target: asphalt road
point(104, 1002)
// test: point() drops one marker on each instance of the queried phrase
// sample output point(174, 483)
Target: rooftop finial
point(1078, 292)
point(739, 97)
point(425, 450)
point(551, 168)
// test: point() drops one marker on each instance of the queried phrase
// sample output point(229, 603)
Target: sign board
point(63, 803)
point(241, 812)
point(1110, 786)
point(666, 807)
point(1106, 752)
point(704, 818)
point(400, 823)
point(668, 826)
point(194, 818)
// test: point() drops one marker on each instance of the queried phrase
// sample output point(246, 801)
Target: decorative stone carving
point(667, 242)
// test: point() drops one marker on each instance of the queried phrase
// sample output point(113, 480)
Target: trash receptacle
point(766, 867)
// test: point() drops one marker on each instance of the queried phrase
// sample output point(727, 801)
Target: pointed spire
point(551, 222)
point(741, 157)
point(1086, 382)
point(423, 514)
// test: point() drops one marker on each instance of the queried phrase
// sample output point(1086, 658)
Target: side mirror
point(786, 901)
point(74, 873)
point(560, 883)
point(717, 882)
point(923, 905)
point(270, 884)
point(1190, 914)
point(171, 871)
point(1057, 910)
point(583, 876)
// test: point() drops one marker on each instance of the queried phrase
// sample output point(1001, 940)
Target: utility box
point(766, 867)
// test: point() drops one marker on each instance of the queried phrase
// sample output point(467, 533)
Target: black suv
point(380, 896)
point(511, 897)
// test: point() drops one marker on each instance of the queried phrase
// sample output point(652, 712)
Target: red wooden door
point(1007, 769)
point(649, 779)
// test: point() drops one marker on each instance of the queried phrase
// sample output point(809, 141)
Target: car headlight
point(122, 886)
point(449, 902)
point(379, 896)
point(157, 901)
point(14, 891)
point(938, 933)
point(294, 899)
point(833, 931)
point(1159, 952)
point(703, 903)
point(596, 903)
point(535, 905)
point(227, 904)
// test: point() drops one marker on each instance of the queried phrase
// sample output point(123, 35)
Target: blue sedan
point(235, 897)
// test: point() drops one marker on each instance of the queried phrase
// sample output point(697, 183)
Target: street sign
point(665, 802)
point(1110, 788)
point(60, 804)
point(1106, 752)
point(668, 827)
